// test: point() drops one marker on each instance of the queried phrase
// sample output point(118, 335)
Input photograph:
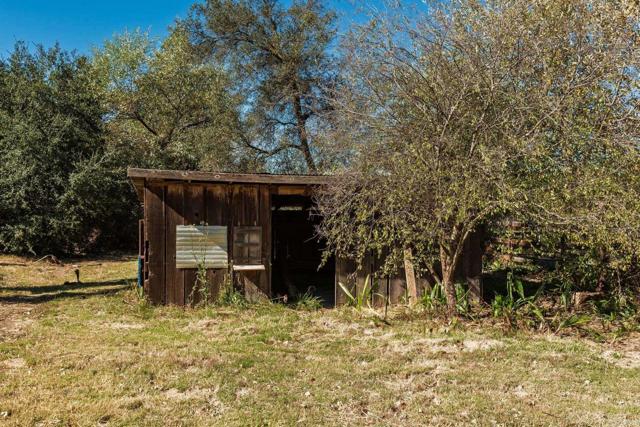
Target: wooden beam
point(136, 174)
point(291, 190)
point(248, 268)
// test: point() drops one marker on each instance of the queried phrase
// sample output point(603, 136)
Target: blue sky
point(80, 25)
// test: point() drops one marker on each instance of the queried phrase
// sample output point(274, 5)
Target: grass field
point(93, 354)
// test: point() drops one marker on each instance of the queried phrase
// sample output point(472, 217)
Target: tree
point(481, 110)
point(166, 107)
point(61, 191)
point(281, 63)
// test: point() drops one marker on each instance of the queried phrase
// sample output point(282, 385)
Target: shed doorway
point(296, 252)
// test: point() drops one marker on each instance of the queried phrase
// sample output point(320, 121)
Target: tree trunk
point(412, 289)
point(301, 127)
point(447, 262)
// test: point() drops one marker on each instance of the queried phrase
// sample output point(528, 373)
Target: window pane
point(247, 248)
point(254, 237)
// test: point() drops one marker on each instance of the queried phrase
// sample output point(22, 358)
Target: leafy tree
point(280, 62)
point(481, 110)
point(60, 190)
point(166, 107)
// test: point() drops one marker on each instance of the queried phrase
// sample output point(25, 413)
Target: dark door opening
point(297, 252)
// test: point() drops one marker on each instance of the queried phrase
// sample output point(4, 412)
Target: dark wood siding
point(170, 204)
point(393, 289)
point(174, 208)
point(217, 207)
point(194, 214)
point(345, 275)
point(154, 233)
point(264, 216)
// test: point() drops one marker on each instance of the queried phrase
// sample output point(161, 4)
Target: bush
point(62, 190)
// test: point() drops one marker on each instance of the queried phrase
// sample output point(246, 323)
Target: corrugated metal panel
point(197, 242)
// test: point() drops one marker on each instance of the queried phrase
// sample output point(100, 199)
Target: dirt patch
point(625, 353)
point(208, 327)
point(623, 359)
point(336, 326)
point(444, 345)
point(15, 319)
point(16, 363)
point(520, 392)
point(195, 394)
point(203, 324)
point(481, 345)
point(119, 325)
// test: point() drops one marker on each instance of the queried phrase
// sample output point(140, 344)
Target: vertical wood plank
point(410, 277)
point(216, 204)
point(381, 283)
point(154, 218)
point(238, 205)
point(264, 220)
point(194, 214)
point(250, 205)
point(174, 208)
point(397, 288)
point(217, 213)
point(141, 237)
point(472, 264)
point(364, 277)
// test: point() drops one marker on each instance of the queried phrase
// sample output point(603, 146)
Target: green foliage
point(309, 302)
point(61, 189)
point(572, 321)
point(166, 106)
point(230, 296)
point(619, 305)
point(515, 304)
point(201, 287)
point(359, 300)
point(434, 298)
point(137, 290)
point(462, 299)
point(200, 293)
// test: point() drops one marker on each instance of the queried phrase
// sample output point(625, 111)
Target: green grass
point(93, 354)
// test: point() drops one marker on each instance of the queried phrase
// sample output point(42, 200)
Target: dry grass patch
point(89, 357)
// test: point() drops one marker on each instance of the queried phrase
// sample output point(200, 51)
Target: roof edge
point(249, 178)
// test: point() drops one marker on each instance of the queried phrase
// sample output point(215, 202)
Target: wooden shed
point(253, 229)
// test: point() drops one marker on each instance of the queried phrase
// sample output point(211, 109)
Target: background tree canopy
point(280, 62)
point(61, 190)
point(167, 107)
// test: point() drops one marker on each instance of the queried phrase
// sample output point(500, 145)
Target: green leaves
point(60, 190)
point(172, 109)
point(358, 300)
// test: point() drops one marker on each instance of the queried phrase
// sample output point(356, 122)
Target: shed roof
point(138, 177)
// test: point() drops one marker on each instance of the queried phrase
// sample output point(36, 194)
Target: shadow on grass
point(12, 264)
point(41, 294)
point(67, 286)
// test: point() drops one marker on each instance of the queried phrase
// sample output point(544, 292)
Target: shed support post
point(410, 274)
